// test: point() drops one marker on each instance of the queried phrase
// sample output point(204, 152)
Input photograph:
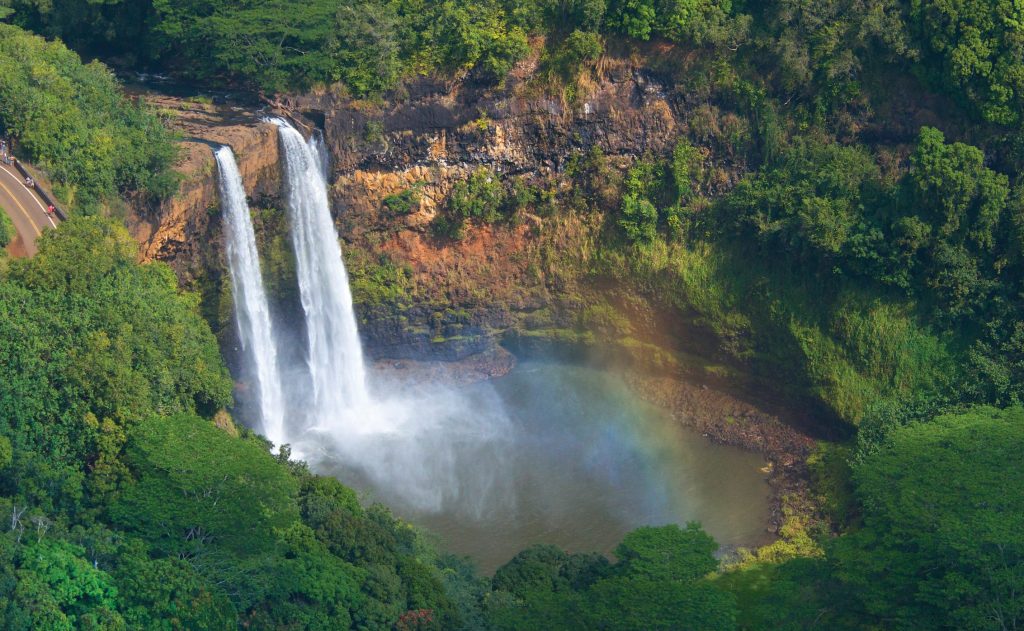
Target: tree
point(698, 21)
point(200, 492)
point(961, 198)
point(975, 46)
point(56, 590)
point(633, 18)
point(668, 553)
point(942, 546)
point(309, 587)
point(92, 343)
point(550, 569)
point(481, 197)
point(274, 44)
point(962, 203)
point(578, 49)
point(169, 594)
point(658, 583)
point(810, 204)
point(645, 186)
point(639, 219)
point(586, 15)
point(111, 27)
point(821, 49)
point(478, 36)
point(367, 48)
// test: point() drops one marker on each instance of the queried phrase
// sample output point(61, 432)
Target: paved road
point(25, 209)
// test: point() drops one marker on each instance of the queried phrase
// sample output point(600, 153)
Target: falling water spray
point(335, 355)
point(421, 445)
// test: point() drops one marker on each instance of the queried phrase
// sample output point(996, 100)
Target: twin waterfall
point(336, 373)
point(419, 445)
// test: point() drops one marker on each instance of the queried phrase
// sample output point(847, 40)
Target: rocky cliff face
point(185, 231)
point(522, 281)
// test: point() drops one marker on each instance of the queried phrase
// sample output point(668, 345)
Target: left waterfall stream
point(252, 310)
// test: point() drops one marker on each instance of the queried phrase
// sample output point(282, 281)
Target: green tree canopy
point(55, 588)
point(199, 490)
point(978, 50)
point(72, 120)
point(92, 343)
point(658, 583)
point(942, 546)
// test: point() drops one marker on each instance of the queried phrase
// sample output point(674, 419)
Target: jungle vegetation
point(875, 269)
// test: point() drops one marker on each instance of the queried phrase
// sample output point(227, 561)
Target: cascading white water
point(335, 354)
point(251, 308)
point(426, 446)
point(447, 455)
point(319, 147)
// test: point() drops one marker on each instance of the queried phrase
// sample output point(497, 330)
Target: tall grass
point(845, 345)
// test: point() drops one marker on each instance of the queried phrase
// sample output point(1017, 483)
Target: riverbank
point(726, 419)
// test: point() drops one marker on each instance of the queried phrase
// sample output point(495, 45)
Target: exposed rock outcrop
point(184, 231)
point(526, 274)
point(419, 295)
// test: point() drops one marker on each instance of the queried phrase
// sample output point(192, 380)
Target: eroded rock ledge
point(185, 230)
point(457, 298)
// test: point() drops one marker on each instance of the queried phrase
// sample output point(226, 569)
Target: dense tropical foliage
point(72, 120)
point(874, 266)
point(126, 507)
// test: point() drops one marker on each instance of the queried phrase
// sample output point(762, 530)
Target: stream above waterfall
point(576, 460)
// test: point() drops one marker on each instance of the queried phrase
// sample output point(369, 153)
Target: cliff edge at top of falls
point(523, 282)
point(179, 230)
point(429, 132)
point(421, 296)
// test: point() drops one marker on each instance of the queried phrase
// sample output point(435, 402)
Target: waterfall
point(251, 309)
point(316, 142)
point(335, 356)
point(423, 444)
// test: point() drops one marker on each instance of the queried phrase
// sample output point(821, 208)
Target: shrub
point(7, 231)
point(404, 202)
point(578, 49)
point(639, 219)
point(481, 197)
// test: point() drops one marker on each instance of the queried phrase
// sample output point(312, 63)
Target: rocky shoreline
point(724, 418)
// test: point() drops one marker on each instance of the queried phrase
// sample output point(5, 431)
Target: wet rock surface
point(185, 231)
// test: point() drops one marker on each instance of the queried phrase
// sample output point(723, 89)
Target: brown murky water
point(581, 462)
